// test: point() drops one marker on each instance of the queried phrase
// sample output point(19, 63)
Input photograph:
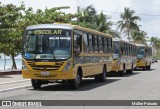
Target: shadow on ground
point(140, 69)
point(87, 84)
point(116, 74)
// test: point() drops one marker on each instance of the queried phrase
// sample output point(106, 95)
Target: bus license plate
point(44, 73)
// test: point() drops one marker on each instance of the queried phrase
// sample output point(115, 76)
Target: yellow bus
point(144, 56)
point(124, 57)
point(65, 53)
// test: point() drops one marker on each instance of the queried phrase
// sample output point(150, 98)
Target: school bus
point(124, 57)
point(65, 53)
point(144, 56)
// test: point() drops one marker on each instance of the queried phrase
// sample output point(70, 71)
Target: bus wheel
point(144, 68)
point(36, 84)
point(149, 67)
point(75, 83)
point(130, 71)
point(121, 73)
point(101, 77)
point(96, 78)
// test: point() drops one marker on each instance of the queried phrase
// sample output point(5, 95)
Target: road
point(141, 85)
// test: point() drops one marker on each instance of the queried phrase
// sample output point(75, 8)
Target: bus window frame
point(80, 48)
point(87, 45)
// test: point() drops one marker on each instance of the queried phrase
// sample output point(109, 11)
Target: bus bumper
point(115, 68)
point(141, 64)
point(49, 75)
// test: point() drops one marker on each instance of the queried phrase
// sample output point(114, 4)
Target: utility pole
point(78, 10)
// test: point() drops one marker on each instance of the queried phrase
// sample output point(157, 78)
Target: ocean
point(9, 64)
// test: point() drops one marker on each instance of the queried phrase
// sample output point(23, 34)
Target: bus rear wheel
point(101, 77)
point(75, 83)
point(130, 71)
point(144, 68)
point(36, 84)
point(149, 67)
point(121, 73)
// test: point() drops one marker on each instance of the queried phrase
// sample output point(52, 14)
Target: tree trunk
point(129, 39)
point(14, 63)
point(4, 61)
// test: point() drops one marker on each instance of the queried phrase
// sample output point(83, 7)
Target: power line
point(140, 14)
point(152, 15)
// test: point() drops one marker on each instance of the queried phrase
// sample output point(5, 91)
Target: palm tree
point(139, 37)
point(101, 23)
point(88, 17)
point(128, 22)
point(87, 14)
point(155, 43)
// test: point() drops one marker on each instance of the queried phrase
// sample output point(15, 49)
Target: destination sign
point(47, 31)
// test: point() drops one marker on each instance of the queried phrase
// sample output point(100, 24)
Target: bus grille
point(45, 67)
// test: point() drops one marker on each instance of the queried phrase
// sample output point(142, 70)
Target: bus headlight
point(67, 66)
point(24, 66)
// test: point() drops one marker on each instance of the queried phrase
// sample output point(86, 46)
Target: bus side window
point(85, 43)
point(90, 44)
point(122, 49)
point(95, 44)
point(105, 45)
point(127, 48)
point(110, 45)
point(100, 44)
point(77, 44)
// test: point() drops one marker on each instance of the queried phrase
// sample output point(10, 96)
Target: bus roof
point(143, 45)
point(66, 26)
point(40, 26)
point(120, 40)
point(140, 45)
point(116, 39)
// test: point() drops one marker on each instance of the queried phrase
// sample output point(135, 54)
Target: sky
point(148, 10)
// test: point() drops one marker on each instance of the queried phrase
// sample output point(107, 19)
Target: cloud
point(143, 8)
point(147, 10)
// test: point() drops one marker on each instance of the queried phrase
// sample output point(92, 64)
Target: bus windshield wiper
point(54, 57)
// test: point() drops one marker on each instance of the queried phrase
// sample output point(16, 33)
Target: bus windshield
point(116, 48)
point(47, 44)
point(140, 52)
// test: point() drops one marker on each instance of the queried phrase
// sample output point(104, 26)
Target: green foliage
point(10, 31)
point(102, 24)
point(155, 43)
point(139, 37)
point(128, 22)
point(14, 20)
point(89, 18)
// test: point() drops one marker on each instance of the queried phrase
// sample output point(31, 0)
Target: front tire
point(130, 71)
point(121, 73)
point(144, 68)
point(75, 83)
point(36, 84)
point(101, 77)
point(149, 67)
